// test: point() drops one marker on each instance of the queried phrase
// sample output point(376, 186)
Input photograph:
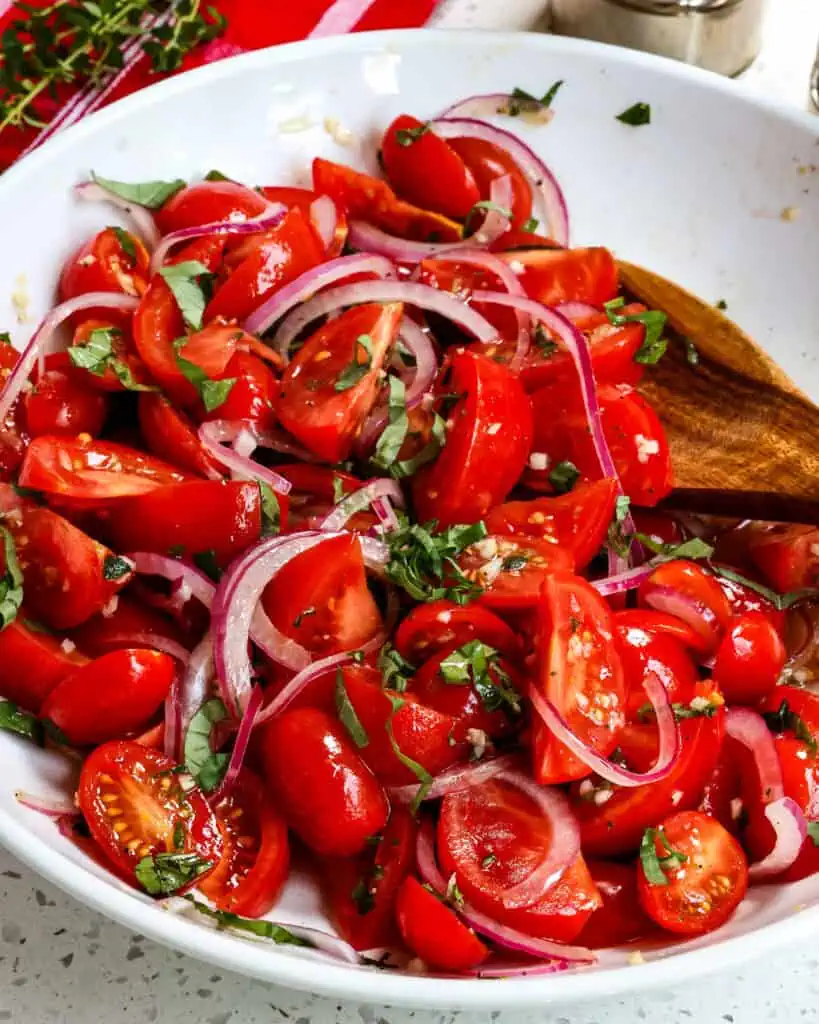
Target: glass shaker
point(720, 35)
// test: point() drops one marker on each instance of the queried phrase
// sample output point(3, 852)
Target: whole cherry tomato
point(749, 659)
point(59, 403)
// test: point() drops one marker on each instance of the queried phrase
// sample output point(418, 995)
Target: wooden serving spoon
point(744, 439)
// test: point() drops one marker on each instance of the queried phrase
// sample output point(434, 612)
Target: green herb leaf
point(477, 664)
point(183, 280)
point(407, 136)
point(302, 616)
point(395, 670)
point(207, 767)
point(636, 115)
point(363, 896)
point(12, 719)
point(813, 832)
point(545, 345)
point(420, 558)
point(151, 194)
point(431, 450)
point(700, 707)
point(721, 305)
point(97, 354)
point(418, 770)
point(393, 435)
point(5, 338)
point(356, 370)
point(165, 873)
point(11, 582)
point(271, 511)
point(531, 225)
point(126, 242)
point(693, 548)
point(256, 926)
point(484, 205)
point(179, 833)
point(338, 489)
point(523, 102)
point(114, 567)
point(564, 476)
point(786, 719)
point(212, 392)
point(780, 601)
point(653, 864)
point(206, 561)
point(347, 714)
point(214, 175)
point(489, 860)
point(654, 345)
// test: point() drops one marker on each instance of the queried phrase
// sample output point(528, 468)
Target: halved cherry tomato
point(744, 600)
point(660, 624)
point(488, 443)
point(129, 624)
point(486, 162)
point(222, 516)
point(706, 881)
point(304, 198)
point(749, 659)
point(112, 261)
point(434, 932)
point(692, 594)
point(580, 673)
point(321, 599)
point(620, 918)
point(111, 697)
point(135, 807)
point(60, 403)
point(492, 836)
point(511, 570)
point(256, 858)
point(254, 394)
point(32, 663)
point(123, 351)
point(577, 521)
point(208, 202)
point(169, 433)
point(438, 624)
point(788, 556)
point(318, 405)
point(426, 170)
point(644, 653)
point(553, 276)
point(721, 795)
point(361, 891)
point(363, 197)
point(13, 436)
point(92, 471)
point(327, 793)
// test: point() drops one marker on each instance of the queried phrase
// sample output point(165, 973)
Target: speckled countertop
point(63, 963)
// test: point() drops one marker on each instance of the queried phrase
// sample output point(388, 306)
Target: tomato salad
point(330, 534)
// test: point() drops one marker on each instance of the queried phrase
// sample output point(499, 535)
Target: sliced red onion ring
point(791, 828)
point(576, 310)
point(418, 342)
point(496, 223)
point(455, 779)
point(621, 582)
point(215, 434)
point(669, 735)
point(196, 582)
point(172, 732)
point(40, 342)
point(359, 500)
point(265, 221)
point(749, 728)
point(308, 284)
point(67, 823)
point(550, 203)
point(142, 217)
point(152, 641)
point(410, 292)
point(237, 756)
point(44, 805)
point(196, 686)
point(301, 681)
point(541, 949)
point(386, 516)
point(324, 218)
point(693, 612)
point(497, 104)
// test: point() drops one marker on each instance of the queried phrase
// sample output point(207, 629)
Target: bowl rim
point(253, 958)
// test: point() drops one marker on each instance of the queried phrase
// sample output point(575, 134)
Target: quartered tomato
point(135, 808)
point(787, 556)
point(88, 471)
point(485, 162)
point(32, 662)
point(122, 348)
point(552, 276)
point(659, 624)
point(581, 674)
point(13, 437)
point(434, 932)
point(684, 589)
point(256, 858)
point(169, 433)
point(492, 836)
point(488, 442)
point(438, 624)
point(577, 521)
point(620, 918)
point(60, 403)
point(254, 394)
point(112, 261)
point(426, 170)
point(749, 659)
point(705, 879)
point(208, 202)
point(329, 796)
point(304, 198)
point(511, 570)
point(321, 600)
point(112, 697)
point(333, 381)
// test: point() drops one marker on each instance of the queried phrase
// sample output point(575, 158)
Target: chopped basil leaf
point(97, 355)
point(206, 561)
point(151, 194)
point(544, 343)
point(453, 892)
point(521, 101)
point(489, 860)
point(114, 567)
point(408, 467)
point(165, 873)
point(551, 92)
point(338, 489)
point(636, 115)
point(207, 767)
point(212, 392)
point(406, 136)
point(357, 657)
point(654, 345)
point(692, 356)
point(356, 370)
point(721, 304)
point(11, 582)
point(531, 224)
point(183, 280)
point(488, 205)
point(393, 435)
point(420, 558)
point(347, 714)
point(813, 832)
point(692, 548)
point(126, 242)
point(256, 926)
point(616, 538)
point(653, 864)
point(12, 719)
point(55, 733)
point(214, 175)
point(5, 338)
point(514, 563)
point(395, 670)
point(302, 616)
point(271, 511)
point(700, 707)
point(564, 476)
point(785, 719)
point(780, 601)
point(363, 897)
point(476, 664)
point(179, 834)
point(418, 770)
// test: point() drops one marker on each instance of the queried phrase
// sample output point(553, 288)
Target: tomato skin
point(111, 697)
point(512, 586)
point(303, 198)
point(169, 434)
point(207, 202)
point(431, 627)
point(254, 866)
point(577, 521)
point(103, 265)
point(645, 653)
point(223, 516)
point(149, 802)
point(428, 172)
point(433, 932)
point(703, 892)
point(698, 598)
point(61, 404)
point(124, 626)
point(32, 663)
point(744, 600)
point(660, 624)
point(786, 556)
point(749, 659)
point(486, 447)
point(253, 397)
point(552, 276)
point(486, 162)
point(620, 918)
point(327, 793)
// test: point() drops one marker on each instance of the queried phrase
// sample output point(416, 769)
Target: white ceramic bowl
point(697, 195)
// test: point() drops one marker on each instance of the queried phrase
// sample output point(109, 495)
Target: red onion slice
point(697, 614)
point(749, 728)
point(550, 203)
point(93, 192)
point(541, 949)
point(417, 340)
point(153, 641)
point(40, 342)
point(265, 221)
point(359, 500)
point(194, 582)
point(624, 581)
point(44, 805)
point(306, 285)
point(195, 688)
point(324, 218)
point(385, 513)
point(494, 104)
point(791, 829)
point(301, 681)
point(669, 735)
point(215, 434)
point(455, 779)
point(576, 310)
point(237, 756)
point(171, 734)
point(409, 292)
